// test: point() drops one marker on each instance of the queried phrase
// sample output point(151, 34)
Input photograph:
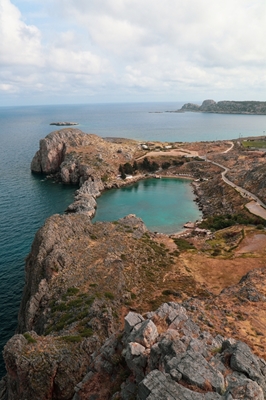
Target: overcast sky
point(83, 51)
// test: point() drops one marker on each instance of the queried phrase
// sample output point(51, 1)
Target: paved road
point(257, 208)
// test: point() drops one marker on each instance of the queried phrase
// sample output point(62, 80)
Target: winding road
point(255, 206)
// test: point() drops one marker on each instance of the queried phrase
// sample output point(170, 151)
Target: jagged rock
point(36, 374)
point(158, 386)
point(177, 364)
point(242, 360)
point(197, 371)
point(85, 197)
point(53, 147)
point(136, 359)
point(132, 320)
point(240, 387)
point(145, 334)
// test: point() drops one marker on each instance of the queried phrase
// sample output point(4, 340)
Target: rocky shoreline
point(113, 311)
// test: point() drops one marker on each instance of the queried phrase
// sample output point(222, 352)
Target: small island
point(226, 107)
point(64, 123)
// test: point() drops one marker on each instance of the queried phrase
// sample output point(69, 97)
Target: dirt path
point(174, 152)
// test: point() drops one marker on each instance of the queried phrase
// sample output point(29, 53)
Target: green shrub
point(71, 339)
point(183, 244)
point(72, 290)
point(109, 295)
point(87, 332)
point(29, 338)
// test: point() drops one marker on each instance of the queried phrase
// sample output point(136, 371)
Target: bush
point(166, 165)
point(109, 295)
point(217, 222)
point(183, 244)
point(29, 338)
point(128, 169)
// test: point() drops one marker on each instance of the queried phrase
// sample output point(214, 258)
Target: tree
point(135, 166)
point(122, 172)
point(146, 164)
point(128, 169)
point(166, 165)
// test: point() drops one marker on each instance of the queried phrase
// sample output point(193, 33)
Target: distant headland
point(226, 107)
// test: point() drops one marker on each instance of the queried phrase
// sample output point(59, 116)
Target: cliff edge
point(113, 311)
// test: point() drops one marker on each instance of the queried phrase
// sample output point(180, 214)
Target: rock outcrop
point(74, 157)
point(82, 279)
point(181, 362)
point(161, 355)
point(227, 107)
point(52, 150)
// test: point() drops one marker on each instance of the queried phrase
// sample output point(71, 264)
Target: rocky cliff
point(227, 107)
point(74, 157)
point(162, 355)
point(83, 278)
point(89, 325)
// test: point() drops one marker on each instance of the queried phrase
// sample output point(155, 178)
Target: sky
point(91, 51)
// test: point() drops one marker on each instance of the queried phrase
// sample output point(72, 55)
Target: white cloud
point(20, 43)
point(182, 48)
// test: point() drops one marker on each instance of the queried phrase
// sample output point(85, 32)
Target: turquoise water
point(27, 200)
point(163, 204)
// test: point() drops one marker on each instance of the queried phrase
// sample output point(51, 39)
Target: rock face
point(162, 355)
point(181, 362)
point(227, 107)
point(53, 148)
point(74, 157)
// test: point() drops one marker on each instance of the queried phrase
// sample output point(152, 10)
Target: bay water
point(163, 204)
point(27, 200)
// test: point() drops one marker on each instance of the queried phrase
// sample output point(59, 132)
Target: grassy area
point(258, 144)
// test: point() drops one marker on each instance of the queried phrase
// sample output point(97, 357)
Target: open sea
point(26, 200)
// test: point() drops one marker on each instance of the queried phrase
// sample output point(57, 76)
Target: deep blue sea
point(26, 200)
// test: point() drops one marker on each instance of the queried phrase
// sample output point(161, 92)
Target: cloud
point(192, 48)
point(20, 43)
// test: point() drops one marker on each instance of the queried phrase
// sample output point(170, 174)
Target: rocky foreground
point(163, 355)
point(113, 311)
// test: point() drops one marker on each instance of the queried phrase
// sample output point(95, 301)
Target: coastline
point(83, 278)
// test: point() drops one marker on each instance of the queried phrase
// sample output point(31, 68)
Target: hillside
point(227, 107)
point(113, 311)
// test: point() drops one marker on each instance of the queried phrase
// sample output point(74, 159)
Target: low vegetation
point(217, 222)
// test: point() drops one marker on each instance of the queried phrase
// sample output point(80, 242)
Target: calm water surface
point(163, 204)
point(26, 200)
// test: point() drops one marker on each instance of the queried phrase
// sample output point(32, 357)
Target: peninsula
point(111, 310)
point(226, 107)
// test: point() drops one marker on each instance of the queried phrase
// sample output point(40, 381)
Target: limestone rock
point(145, 334)
point(132, 320)
point(53, 147)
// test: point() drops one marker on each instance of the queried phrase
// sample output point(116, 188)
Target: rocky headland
point(113, 311)
point(227, 107)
